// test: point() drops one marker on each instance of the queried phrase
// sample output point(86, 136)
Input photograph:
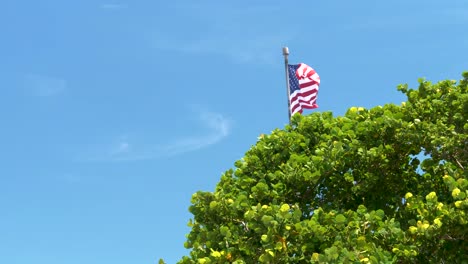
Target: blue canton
point(293, 81)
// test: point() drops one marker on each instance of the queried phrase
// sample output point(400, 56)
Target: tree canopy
point(381, 185)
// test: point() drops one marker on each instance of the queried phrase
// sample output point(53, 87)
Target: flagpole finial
point(285, 51)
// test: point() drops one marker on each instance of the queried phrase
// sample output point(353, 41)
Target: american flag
point(303, 84)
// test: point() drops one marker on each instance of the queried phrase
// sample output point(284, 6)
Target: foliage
point(381, 185)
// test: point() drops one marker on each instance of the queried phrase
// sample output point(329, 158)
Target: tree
point(381, 185)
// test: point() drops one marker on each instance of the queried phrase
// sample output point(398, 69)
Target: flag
point(303, 84)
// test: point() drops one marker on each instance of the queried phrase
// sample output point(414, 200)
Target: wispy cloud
point(43, 85)
point(440, 17)
point(219, 126)
point(260, 49)
point(228, 31)
point(69, 178)
point(216, 126)
point(459, 14)
point(113, 6)
point(121, 148)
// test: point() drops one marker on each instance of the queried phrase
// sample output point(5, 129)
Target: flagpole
point(285, 54)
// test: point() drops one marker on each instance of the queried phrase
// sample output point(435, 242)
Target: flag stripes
point(304, 85)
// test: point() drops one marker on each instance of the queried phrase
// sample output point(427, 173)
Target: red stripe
point(312, 101)
point(307, 84)
point(312, 106)
point(303, 104)
point(304, 94)
point(314, 90)
point(303, 68)
point(308, 102)
point(298, 103)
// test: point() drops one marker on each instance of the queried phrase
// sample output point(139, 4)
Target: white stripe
point(304, 90)
point(304, 70)
point(295, 111)
point(301, 106)
point(307, 80)
point(300, 96)
point(308, 99)
point(315, 77)
point(298, 102)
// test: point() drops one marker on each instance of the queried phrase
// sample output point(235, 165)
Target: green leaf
point(340, 219)
point(284, 208)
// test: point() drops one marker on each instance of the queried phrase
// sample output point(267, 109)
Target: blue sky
point(114, 113)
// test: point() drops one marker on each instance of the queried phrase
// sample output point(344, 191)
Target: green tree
point(381, 185)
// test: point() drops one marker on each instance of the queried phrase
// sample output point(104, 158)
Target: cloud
point(458, 14)
point(113, 6)
point(43, 85)
point(232, 32)
point(254, 49)
point(121, 148)
point(127, 149)
point(70, 178)
point(219, 129)
point(439, 17)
